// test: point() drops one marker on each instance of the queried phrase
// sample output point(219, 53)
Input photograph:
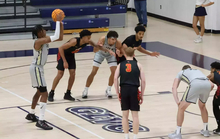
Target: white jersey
point(189, 75)
point(40, 57)
point(200, 2)
point(109, 47)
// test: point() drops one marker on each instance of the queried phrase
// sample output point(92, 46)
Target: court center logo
point(97, 115)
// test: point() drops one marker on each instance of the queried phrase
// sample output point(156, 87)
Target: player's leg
point(216, 111)
point(125, 106)
point(202, 25)
point(125, 123)
point(187, 99)
point(135, 108)
point(60, 72)
point(67, 96)
point(205, 88)
point(112, 62)
point(31, 116)
point(98, 58)
point(90, 79)
point(43, 103)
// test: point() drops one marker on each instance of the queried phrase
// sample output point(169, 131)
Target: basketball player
point(66, 60)
point(215, 78)
point(109, 42)
point(130, 73)
point(37, 70)
point(199, 16)
point(135, 41)
point(199, 88)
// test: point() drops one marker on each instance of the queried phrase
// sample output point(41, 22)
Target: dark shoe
point(31, 117)
point(43, 125)
point(50, 97)
point(145, 25)
point(68, 96)
point(216, 131)
point(139, 24)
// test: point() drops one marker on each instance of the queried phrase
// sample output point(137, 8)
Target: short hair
point(215, 65)
point(139, 28)
point(36, 30)
point(129, 51)
point(186, 67)
point(85, 33)
point(112, 34)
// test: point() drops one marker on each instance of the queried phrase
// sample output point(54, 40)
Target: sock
point(52, 91)
point(109, 88)
point(201, 37)
point(178, 130)
point(126, 136)
point(86, 88)
point(218, 122)
point(32, 111)
point(135, 136)
point(42, 110)
point(205, 126)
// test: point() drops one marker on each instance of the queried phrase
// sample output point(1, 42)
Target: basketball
point(55, 13)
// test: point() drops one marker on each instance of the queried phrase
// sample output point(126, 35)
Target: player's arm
point(119, 48)
point(174, 90)
point(65, 46)
point(211, 77)
point(208, 4)
point(101, 47)
point(142, 50)
point(57, 35)
point(100, 42)
point(116, 76)
point(143, 81)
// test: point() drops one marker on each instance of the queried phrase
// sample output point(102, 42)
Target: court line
point(54, 114)
point(52, 124)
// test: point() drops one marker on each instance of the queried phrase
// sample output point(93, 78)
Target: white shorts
point(37, 76)
point(99, 58)
point(198, 89)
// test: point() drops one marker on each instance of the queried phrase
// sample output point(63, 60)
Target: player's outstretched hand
point(156, 54)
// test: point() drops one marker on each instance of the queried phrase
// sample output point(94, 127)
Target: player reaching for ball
point(130, 73)
point(37, 69)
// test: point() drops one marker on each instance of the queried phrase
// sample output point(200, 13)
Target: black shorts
point(121, 59)
point(129, 99)
point(200, 11)
point(70, 60)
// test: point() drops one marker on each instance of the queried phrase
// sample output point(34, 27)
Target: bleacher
point(91, 14)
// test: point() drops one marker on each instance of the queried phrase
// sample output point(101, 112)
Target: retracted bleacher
point(81, 14)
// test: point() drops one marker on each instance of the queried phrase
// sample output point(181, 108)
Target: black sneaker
point(43, 125)
point(139, 24)
point(31, 117)
point(68, 96)
point(50, 97)
point(145, 25)
point(216, 131)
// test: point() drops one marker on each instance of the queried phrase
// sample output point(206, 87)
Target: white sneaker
point(84, 94)
point(108, 93)
point(198, 40)
point(205, 133)
point(175, 136)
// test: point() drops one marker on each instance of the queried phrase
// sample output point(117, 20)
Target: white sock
point(32, 111)
point(201, 37)
point(178, 130)
point(205, 126)
point(126, 136)
point(109, 88)
point(135, 136)
point(42, 110)
point(86, 88)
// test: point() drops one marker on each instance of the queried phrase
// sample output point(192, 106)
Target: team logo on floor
point(96, 115)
